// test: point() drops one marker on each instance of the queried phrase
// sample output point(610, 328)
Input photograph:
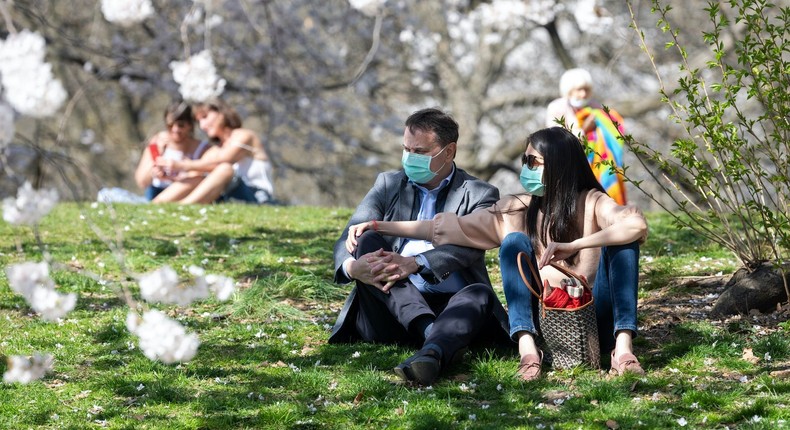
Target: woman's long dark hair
point(566, 174)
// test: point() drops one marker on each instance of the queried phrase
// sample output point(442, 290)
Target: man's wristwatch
point(421, 263)
point(425, 271)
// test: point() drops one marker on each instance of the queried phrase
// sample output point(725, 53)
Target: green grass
point(264, 361)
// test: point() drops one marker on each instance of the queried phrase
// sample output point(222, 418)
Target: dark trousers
point(459, 318)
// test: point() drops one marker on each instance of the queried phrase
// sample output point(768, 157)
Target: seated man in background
point(447, 300)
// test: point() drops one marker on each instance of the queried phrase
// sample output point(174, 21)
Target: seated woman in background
point(565, 217)
point(176, 143)
point(236, 169)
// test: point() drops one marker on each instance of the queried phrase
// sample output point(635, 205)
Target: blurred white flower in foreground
point(6, 124)
point(32, 281)
point(368, 7)
point(27, 369)
point(29, 86)
point(221, 286)
point(197, 77)
point(163, 286)
point(29, 206)
point(162, 338)
point(21, 51)
point(26, 277)
point(52, 304)
point(126, 12)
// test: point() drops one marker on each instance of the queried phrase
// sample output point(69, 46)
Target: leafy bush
point(735, 112)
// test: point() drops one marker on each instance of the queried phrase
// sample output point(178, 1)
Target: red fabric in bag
point(576, 302)
point(558, 298)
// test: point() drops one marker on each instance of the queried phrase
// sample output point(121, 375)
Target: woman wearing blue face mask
point(565, 217)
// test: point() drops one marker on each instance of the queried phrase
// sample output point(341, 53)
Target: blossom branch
point(373, 48)
point(184, 31)
point(9, 23)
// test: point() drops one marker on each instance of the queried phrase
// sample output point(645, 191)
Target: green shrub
point(734, 111)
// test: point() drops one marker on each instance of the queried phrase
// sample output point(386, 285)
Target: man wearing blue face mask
point(445, 300)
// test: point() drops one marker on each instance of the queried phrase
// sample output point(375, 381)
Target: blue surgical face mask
point(532, 180)
point(418, 166)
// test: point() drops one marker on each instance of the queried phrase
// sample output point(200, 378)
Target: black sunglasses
point(531, 161)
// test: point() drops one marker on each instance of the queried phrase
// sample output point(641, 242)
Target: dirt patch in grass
point(689, 299)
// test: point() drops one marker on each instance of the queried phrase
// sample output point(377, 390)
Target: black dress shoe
point(422, 367)
point(426, 367)
point(403, 370)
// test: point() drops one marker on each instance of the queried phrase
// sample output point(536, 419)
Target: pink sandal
point(628, 363)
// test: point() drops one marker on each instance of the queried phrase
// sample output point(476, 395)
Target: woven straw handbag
point(570, 335)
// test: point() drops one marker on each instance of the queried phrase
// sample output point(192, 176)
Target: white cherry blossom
point(592, 17)
point(29, 85)
point(27, 369)
point(21, 51)
point(29, 206)
point(32, 281)
point(542, 11)
point(126, 12)
point(163, 286)
point(368, 7)
point(132, 321)
point(159, 285)
point(24, 278)
point(164, 339)
point(221, 286)
point(52, 305)
point(502, 15)
point(36, 92)
point(197, 77)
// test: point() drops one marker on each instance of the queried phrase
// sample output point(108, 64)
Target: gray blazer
point(392, 198)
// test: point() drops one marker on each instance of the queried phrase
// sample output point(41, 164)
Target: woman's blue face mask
point(418, 166)
point(532, 180)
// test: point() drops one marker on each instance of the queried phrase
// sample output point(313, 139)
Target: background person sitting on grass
point(175, 143)
point(237, 168)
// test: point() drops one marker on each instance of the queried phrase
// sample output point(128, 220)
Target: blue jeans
point(614, 289)
point(152, 191)
point(240, 192)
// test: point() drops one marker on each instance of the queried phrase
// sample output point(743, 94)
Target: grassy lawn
point(264, 362)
